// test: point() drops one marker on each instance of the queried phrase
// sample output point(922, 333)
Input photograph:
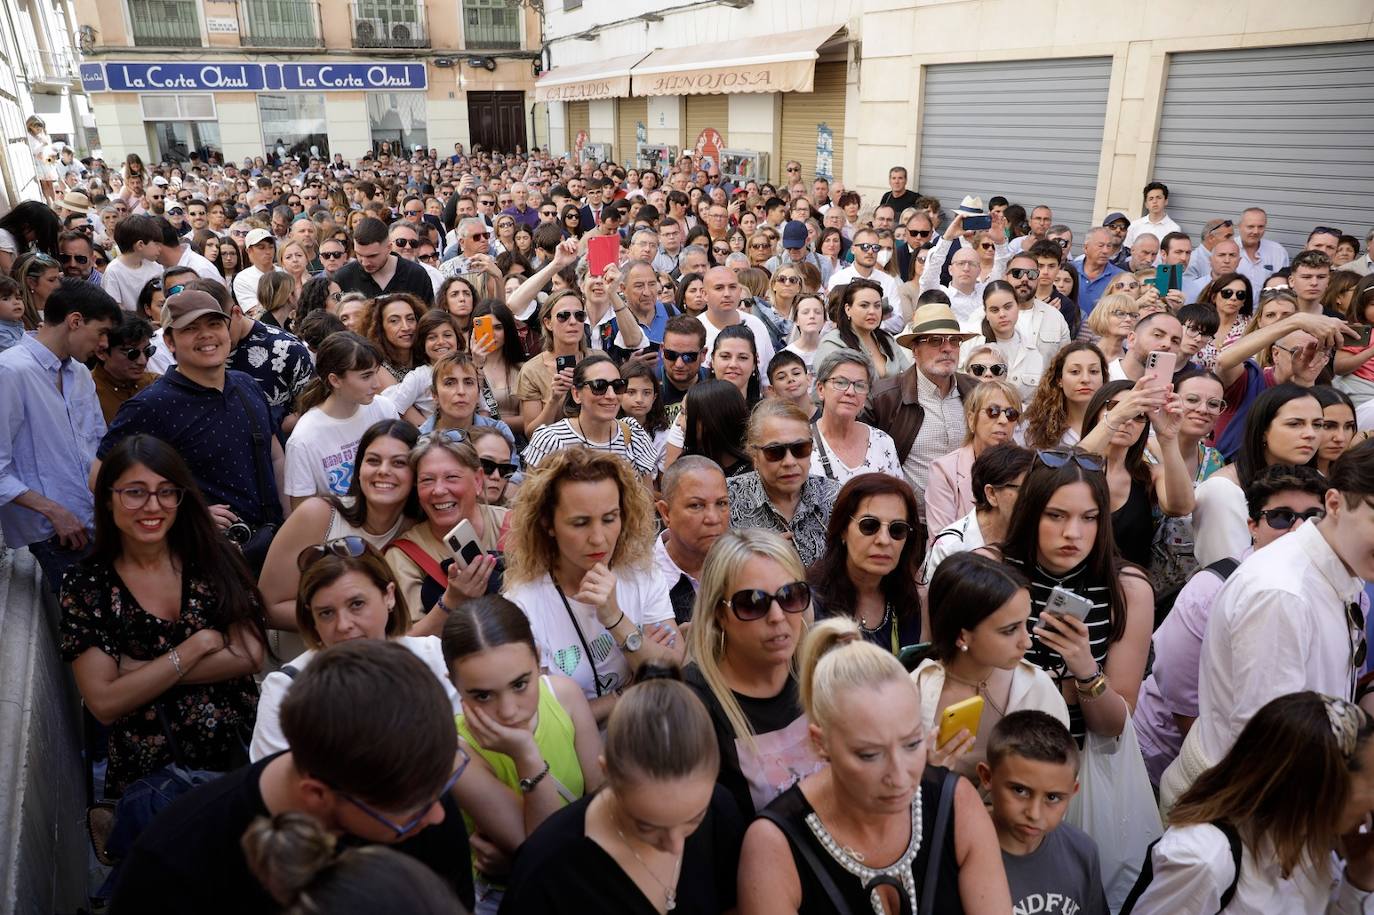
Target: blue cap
point(1115, 217)
point(794, 235)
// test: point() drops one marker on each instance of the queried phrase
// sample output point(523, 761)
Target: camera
point(238, 533)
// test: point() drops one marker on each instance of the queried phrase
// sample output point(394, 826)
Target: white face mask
point(884, 256)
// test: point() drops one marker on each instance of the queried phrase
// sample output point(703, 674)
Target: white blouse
point(881, 457)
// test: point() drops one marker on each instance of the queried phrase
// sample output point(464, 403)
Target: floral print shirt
point(749, 507)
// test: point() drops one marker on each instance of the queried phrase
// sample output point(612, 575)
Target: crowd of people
point(759, 547)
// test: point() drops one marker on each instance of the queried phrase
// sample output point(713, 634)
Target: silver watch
point(634, 641)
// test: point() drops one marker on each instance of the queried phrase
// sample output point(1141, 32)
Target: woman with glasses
point(39, 277)
point(858, 326)
point(592, 420)
point(991, 412)
point(784, 289)
point(1059, 538)
point(1230, 295)
point(781, 494)
point(1111, 322)
point(162, 623)
point(391, 322)
point(846, 447)
point(752, 609)
point(873, 553)
point(498, 468)
point(760, 249)
point(580, 553)
point(570, 221)
point(985, 363)
point(503, 235)
point(319, 293)
point(1142, 290)
point(546, 378)
point(1276, 826)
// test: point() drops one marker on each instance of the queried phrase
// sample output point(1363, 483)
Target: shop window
point(397, 118)
point(294, 124)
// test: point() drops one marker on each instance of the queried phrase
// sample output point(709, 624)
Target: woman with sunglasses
point(1058, 537)
point(39, 277)
point(532, 732)
point(784, 289)
point(592, 421)
point(878, 827)
point(1143, 291)
point(1231, 295)
point(873, 554)
point(543, 386)
point(162, 623)
point(580, 565)
point(570, 221)
point(846, 447)
point(1025, 362)
point(391, 321)
point(985, 363)
point(991, 412)
point(752, 609)
point(858, 326)
point(503, 235)
point(1277, 825)
point(497, 459)
point(781, 494)
point(1054, 418)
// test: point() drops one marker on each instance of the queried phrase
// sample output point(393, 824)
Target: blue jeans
point(55, 559)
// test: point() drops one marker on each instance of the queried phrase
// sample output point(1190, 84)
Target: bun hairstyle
point(660, 731)
point(836, 658)
point(293, 856)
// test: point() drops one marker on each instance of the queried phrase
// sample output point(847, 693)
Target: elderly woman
point(1111, 321)
point(846, 447)
point(991, 412)
point(780, 493)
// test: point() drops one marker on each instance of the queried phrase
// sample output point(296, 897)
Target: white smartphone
point(1162, 366)
point(462, 541)
point(1066, 603)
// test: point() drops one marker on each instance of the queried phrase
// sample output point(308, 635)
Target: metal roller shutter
point(1030, 130)
point(579, 117)
point(1287, 129)
point(628, 113)
point(803, 112)
point(706, 111)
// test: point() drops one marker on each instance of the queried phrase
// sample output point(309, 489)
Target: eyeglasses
point(73, 258)
point(788, 280)
point(578, 316)
point(844, 385)
point(941, 340)
point(687, 356)
point(1024, 273)
point(919, 233)
point(475, 236)
point(1281, 519)
point(1058, 457)
point(133, 352)
point(1129, 285)
point(505, 469)
point(239, 233)
point(869, 526)
point(774, 453)
point(406, 242)
point(995, 369)
point(331, 255)
point(348, 547)
point(993, 411)
point(599, 386)
point(1062, 242)
point(1212, 404)
point(1229, 294)
point(754, 603)
point(402, 828)
point(1192, 330)
point(871, 247)
point(135, 497)
point(1123, 313)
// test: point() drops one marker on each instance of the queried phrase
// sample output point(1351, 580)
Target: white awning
point(783, 62)
point(598, 79)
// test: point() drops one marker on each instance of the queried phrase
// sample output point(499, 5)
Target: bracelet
point(1090, 677)
point(620, 619)
point(529, 784)
point(176, 662)
point(443, 606)
point(1095, 690)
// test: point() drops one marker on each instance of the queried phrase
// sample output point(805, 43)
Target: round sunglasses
point(869, 526)
point(754, 603)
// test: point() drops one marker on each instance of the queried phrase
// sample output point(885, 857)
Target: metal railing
point(165, 23)
point(491, 24)
point(280, 24)
point(389, 24)
point(57, 65)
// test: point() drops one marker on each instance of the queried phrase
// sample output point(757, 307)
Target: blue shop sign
point(181, 77)
point(350, 77)
point(174, 76)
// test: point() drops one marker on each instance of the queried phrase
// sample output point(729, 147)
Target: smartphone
point(958, 717)
point(977, 223)
point(564, 362)
point(1066, 603)
point(652, 346)
point(1167, 277)
point(912, 655)
point(462, 541)
point(1363, 340)
point(484, 326)
point(1162, 365)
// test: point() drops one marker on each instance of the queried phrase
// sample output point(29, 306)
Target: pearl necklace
point(897, 873)
point(669, 892)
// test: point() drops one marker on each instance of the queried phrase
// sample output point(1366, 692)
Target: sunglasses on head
point(1058, 457)
point(979, 369)
point(754, 603)
point(869, 526)
point(687, 356)
point(599, 386)
point(505, 468)
point(1281, 519)
point(349, 547)
point(800, 450)
point(992, 411)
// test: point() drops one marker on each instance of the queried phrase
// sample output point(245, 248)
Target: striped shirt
point(639, 450)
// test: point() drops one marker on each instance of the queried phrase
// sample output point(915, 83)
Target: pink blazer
point(949, 491)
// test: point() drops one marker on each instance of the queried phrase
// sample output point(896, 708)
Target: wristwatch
point(634, 641)
point(528, 784)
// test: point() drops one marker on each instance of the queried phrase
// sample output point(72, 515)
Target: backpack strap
point(1233, 839)
point(421, 559)
point(289, 670)
point(1147, 870)
point(937, 839)
point(813, 861)
point(1223, 567)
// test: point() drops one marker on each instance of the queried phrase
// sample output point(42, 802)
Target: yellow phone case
point(959, 716)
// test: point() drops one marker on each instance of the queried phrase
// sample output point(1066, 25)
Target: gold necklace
point(669, 892)
point(979, 688)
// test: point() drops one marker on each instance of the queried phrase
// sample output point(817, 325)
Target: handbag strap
point(260, 442)
point(421, 558)
point(572, 618)
point(937, 840)
point(1147, 870)
point(813, 861)
point(820, 446)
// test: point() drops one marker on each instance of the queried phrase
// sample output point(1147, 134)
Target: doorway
point(496, 120)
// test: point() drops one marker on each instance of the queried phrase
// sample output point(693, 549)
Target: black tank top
point(793, 806)
point(1133, 526)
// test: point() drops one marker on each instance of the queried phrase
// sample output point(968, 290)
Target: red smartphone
point(602, 251)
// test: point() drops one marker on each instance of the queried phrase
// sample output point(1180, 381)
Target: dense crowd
point(758, 547)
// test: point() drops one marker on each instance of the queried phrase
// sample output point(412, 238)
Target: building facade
point(1040, 100)
point(242, 77)
point(38, 75)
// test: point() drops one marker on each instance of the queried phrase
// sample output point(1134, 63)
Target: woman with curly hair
point(1055, 415)
point(580, 564)
point(391, 323)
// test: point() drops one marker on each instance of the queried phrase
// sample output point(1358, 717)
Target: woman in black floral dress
point(163, 615)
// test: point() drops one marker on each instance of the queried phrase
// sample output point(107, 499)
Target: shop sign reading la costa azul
point(182, 76)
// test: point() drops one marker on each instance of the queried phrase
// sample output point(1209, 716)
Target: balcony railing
point(389, 24)
point(58, 65)
point(280, 24)
point(165, 23)
point(491, 24)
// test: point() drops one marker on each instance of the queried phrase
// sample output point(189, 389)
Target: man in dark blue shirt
point(217, 420)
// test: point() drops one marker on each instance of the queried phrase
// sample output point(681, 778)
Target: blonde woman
point(580, 564)
point(991, 412)
point(295, 260)
point(784, 289)
point(278, 293)
point(866, 815)
point(752, 608)
point(1111, 321)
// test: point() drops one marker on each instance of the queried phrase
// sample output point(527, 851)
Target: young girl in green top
point(534, 732)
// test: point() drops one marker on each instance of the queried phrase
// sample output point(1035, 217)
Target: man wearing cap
point(377, 270)
point(218, 420)
point(865, 267)
point(795, 253)
point(262, 254)
point(923, 407)
point(1119, 223)
point(1214, 231)
point(965, 291)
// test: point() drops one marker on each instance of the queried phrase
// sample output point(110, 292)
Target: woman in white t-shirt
point(580, 553)
point(336, 409)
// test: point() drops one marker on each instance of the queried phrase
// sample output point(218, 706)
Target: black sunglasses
point(996, 370)
point(1281, 519)
point(331, 255)
point(506, 469)
point(869, 526)
point(799, 450)
point(672, 355)
point(1057, 457)
point(1229, 294)
point(578, 316)
point(351, 547)
point(754, 603)
point(1024, 273)
point(599, 386)
point(995, 410)
point(133, 352)
point(406, 242)
point(73, 258)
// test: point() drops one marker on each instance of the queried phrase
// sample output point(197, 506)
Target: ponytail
point(340, 352)
point(833, 658)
